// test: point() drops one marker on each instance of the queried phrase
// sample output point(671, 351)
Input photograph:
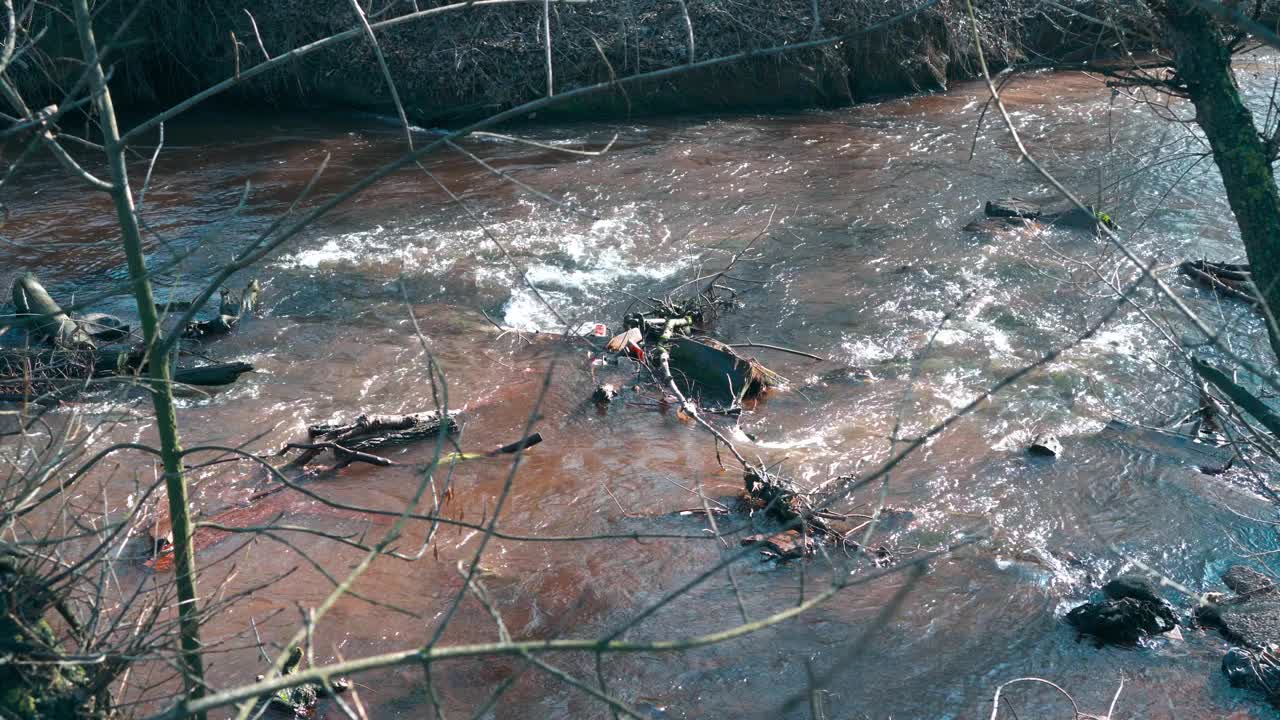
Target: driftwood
point(262, 510)
point(75, 359)
point(1230, 279)
point(29, 372)
point(1020, 209)
point(369, 432)
point(103, 326)
point(44, 318)
point(1239, 395)
point(1013, 208)
point(784, 501)
point(231, 309)
point(212, 375)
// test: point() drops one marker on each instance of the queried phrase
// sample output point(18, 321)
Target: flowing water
point(863, 261)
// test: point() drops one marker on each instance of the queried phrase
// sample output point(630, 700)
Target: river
point(863, 255)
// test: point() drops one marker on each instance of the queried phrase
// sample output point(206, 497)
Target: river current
point(863, 261)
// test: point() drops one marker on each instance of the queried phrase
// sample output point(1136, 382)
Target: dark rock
point(1244, 580)
point(1133, 586)
point(1252, 622)
point(1122, 622)
point(1045, 444)
point(1013, 208)
point(1251, 617)
point(221, 325)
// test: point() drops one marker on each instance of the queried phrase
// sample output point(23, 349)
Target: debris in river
point(212, 375)
point(349, 440)
point(76, 360)
point(1209, 459)
point(1229, 279)
point(604, 394)
point(1251, 616)
point(103, 326)
point(786, 545)
point(1134, 586)
point(1119, 622)
point(1131, 610)
point(300, 700)
point(1257, 670)
point(44, 318)
point(1046, 445)
point(1012, 211)
point(231, 309)
point(1013, 208)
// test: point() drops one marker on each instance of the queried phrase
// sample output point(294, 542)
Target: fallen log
point(1229, 279)
point(261, 510)
point(369, 432)
point(344, 453)
point(43, 316)
point(1020, 209)
point(1013, 208)
point(1239, 395)
point(102, 326)
point(212, 375)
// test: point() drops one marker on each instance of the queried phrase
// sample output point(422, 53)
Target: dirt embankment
point(471, 62)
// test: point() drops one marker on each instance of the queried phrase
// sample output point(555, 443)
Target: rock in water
point(1046, 445)
point(1133, 586)
point(1122, 622)
point(212, 375)
point(1252, 617)
point(1244, 580)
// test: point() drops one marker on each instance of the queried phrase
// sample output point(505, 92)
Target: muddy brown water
point(864, 258)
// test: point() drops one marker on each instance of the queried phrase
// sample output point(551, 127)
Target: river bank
point(466, 63)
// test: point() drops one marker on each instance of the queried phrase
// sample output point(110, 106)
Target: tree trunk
point(1203, 61)
point(161, 388)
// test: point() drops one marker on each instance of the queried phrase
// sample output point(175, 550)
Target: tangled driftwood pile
point(65, 354)
point(1232, 280)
